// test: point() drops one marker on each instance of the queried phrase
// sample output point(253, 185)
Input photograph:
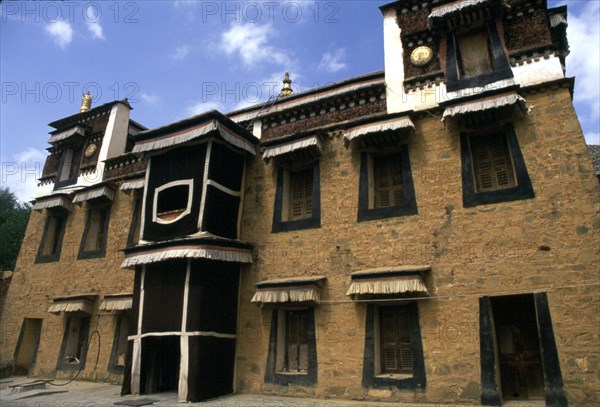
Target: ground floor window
point(119, 348)
point(292, 357)
point(75, 342)
point(393, 355)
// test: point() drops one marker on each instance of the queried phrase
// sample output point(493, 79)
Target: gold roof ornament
point(86, 102)
point(287, 86)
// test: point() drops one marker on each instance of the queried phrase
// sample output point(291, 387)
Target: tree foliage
point(13, 222)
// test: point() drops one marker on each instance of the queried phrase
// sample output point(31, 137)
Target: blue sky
point(173, 59)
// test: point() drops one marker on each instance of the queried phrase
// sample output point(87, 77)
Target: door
point(27, 346)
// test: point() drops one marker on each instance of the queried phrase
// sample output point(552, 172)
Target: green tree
point(13, 221)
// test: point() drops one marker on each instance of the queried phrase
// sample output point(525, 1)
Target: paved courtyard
point(87, 394)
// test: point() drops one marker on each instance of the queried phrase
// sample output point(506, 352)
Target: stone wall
point(34, 285)
point(547, 244)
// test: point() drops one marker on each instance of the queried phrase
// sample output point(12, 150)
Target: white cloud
point(20, 173)
point(150, 99)
point(180, 52)
point(61, 32)
point(333, 62)
point(96, 30)
point(583, 62)
point(201, 107)
point(251, 43)
point(592, 138)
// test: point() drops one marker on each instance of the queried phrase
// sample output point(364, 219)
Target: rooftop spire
point(287, 86)
point(86, 102)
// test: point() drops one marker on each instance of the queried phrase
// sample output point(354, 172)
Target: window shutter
point(396, 349)
point(387, 174)
point(301, 194)
point(475, 58)
point(491, 163)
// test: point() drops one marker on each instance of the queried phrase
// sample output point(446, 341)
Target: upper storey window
point(68, 170)
point(474, 57)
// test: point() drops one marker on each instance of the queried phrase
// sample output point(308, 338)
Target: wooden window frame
point(70, 166)
point(102, 232)
point(281, 212)
point(373, 375)
point(113, 367)
point(501, 68)
point(84, 332)
point(277, 370)
point(366, 200)
point(522, 189)
point(401, 345)
point(57, 236)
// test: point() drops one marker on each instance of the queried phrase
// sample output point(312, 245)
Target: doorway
point(518, 347)
point(160, 364)
point(27, 346)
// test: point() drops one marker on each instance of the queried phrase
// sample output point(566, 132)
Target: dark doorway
point(27, 347)
point(160, 364)
point(517, 347)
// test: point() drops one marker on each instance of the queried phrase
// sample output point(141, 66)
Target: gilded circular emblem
point(90, 150)
point(421, 55)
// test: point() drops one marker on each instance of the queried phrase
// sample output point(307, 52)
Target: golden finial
point(287, 86)
point(86, 102)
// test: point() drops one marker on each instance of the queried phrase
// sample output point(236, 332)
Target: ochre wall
point(485, 250)
point(34, 285)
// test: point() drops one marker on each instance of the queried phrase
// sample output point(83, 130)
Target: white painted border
point(204, 183)
point(223, 188)
point(188, 209)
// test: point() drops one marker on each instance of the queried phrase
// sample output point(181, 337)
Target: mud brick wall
point(485, 249)
point(34, 285)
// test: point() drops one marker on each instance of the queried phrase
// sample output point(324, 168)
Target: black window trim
point(48, 258)
point(135, 219)
point(112, 366)
point(523, 189)
point(302, 379)
point(409, 207)
point(74, 177)
point(501, 65)
point(93, 254)
point(61, 364)
point(279, 225)
point(370, 378)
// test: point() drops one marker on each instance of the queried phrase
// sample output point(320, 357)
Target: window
point(136, 221)
point(93, 242)
point(300, 194)
point(393, 349)
point(51, 243)
point(493, 169)
point(492, 164)
point(475, 58)
point(75, 341)
point(69, 167)
point(173, 201)
point(386, 187)
point(473, 55)
point(295, 351)
point(396, 351)
point(119, 348)
point(297, 198)
point(292, 357)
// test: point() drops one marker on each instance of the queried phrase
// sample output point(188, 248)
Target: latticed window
point(301, 194)
point(387, 181)
point(474, 54)
point(396, 350)
point(296, 341)
point(492, 164)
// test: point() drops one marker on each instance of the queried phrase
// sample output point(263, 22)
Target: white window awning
point(116, 302)
point(132, 184)
point(283, 290)
point(103, 192)
point(221, 253)
point(76, 303)
point(400, 123)
point(183, 136)
point(52, 202)
point(464, 12)
point(483, 104)
point(312, 143)
point(389, 281)
point(63, 135)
